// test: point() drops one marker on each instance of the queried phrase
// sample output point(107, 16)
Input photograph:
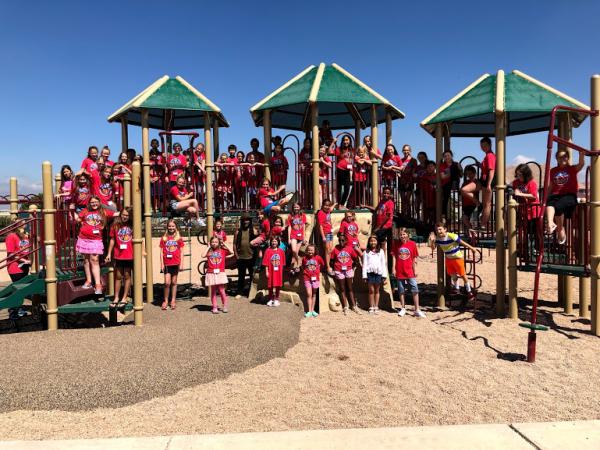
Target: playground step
point(90, 306)
point(15, 294)
point(557, 269)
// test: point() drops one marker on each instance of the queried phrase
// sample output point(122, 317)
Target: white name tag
point(96, 231)
point(216, 271)
point(343, 267)
point(363, 170)
point(169, 255)
point(123, 246)
point(276, 268)
point(313, 278)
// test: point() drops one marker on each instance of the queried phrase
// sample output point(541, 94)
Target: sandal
point(113, 304)
point(173, 305)
point(164, 305)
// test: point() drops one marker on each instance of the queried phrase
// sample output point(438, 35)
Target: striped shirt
point(450, 246)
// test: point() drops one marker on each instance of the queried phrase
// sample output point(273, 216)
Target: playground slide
point(13, 295)
point(293, 287)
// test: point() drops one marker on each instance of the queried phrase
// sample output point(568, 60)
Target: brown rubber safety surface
point(84, 369)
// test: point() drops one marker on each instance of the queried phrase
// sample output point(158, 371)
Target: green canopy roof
point(526, 101)
point(173, 104)
point(341, 98)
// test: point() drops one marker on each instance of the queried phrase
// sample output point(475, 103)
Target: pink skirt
point(89, 246)
point(214, 279)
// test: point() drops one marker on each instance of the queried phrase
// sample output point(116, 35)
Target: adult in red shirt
point(171, 262)
point(274, 262)
point(563, 189)
point(90, 163)
point(312, 264)
point(344, 165)
point(121, 245)
point(342, 260)
point(486, 182)
point(176, 164)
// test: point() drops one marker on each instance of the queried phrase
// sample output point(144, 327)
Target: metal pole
point(584, 282)
point(50, 246)
point(14, 198)
point(314, 114)
point(147, 207)
point(126, 190)
point(375, 166)
point(388, 128)
point(513, 308)
point(209, 177)
point(565, 296)
point(138, 291)
point(267, 143)
point(441, 275)
point(595, 207)
point(124, 134)
point(500, 189)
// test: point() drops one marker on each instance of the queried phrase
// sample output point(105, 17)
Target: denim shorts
point(329, 237)
point(374, 278)
point(408, 284)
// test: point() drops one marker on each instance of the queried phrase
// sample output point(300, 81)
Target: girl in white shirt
point(374, 271)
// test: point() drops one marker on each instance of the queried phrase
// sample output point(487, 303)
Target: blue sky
point(68, 65)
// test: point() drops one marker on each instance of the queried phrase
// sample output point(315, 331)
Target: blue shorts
point(173, 204)
point(329, 237)
point(408, 284)
point(374, 278)
point(267, 209)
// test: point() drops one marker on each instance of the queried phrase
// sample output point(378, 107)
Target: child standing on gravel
point(274, 262)
point(374, 271)
point(216, 279)
point(342, 260)
point(406, 253)
point(312, 265)
point(171, 262)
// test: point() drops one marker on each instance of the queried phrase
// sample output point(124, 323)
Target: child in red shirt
point(89, 243)
point(280, 166)
point(390, 165)
point(296, 225)
point(342, 260)
point(427, 188)
point(405, 254)
point(176, 164)
point(171, 262)
point(312, 264)
point(265, 229)
point(17, 245)
point(90, 163)
point(121, 242)
point(251, 177)
point(326, 231)
point(266, 197)
point(82, 191)
point(349, 228)
point(216, 278)
point(102, 187)
point(469, 191)
point(362, 165)
point(219, 232)
point(274, 262)
point(184, 201)
point(324, 168)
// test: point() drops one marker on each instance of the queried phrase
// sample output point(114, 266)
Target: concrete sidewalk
point(582, 435)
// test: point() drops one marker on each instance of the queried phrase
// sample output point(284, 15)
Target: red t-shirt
point(343, 258)
point(176, 192)
point(305, 159)
point(89, 165)
point(530, 187)
point(279, 163)
point(171, 251)
point(446, 170)
point(488, 164)
point(176, 165)
point(345, 158)
point(405, 254)
point(250, 175)
point(297, 224)
point(312, 268)
point(265, 228)
point(109, 163)
point(427, 183)
point(324, 220)
point(91, 225)
point(323, 169)
point(266, 197)
point(157, 165)
point(274, 261)
point(350, 230)
point(467, 200)
point(390, 161)
point(82, 197)
point(215, 260)
point(361, 170)
point(564, 180)
point(408, 166)
point(14, 244)
point(277, 231)
point(385, 214)
point(220, 234)
point(123, 237)
point(102, 189)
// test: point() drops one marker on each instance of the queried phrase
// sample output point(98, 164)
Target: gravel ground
point(359, 371)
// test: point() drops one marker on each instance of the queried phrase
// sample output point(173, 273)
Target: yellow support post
point(565, 294)
point(513, 308)
point(147, 207)
point(314, 114)
point(138, 291)
point(595, 207)
point(267, 143)
point(209, 177)
point(14, 198)
point(50, 246)
point(375, 166)
point(126, 190)
point(500, 190)
point(441, 269)
point(57, 183)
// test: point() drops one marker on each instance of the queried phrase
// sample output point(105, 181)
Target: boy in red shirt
point(405, 254)
point(274, 262)
point(312, 264)
point(342, 260)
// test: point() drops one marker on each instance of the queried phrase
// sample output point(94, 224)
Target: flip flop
point(164, 306)
point(173, 305)
point(113, 304)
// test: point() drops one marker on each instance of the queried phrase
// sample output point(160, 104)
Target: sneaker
point(308, 314)
point(215, 311)
point(315, 314)
point(376, 310)
point(357, 310)
point(201, 221)
point(346, 309)
point(471, 295)
point(270, 303)
point(419, 313)
point(402, 312)
point(97, 291)
point(276, 303)
point(225, 310)
point(371, 310)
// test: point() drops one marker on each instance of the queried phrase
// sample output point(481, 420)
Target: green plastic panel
point(174, 95)
point(337, 87)
point(479, 100)
point(297, 92)
point(523, 95)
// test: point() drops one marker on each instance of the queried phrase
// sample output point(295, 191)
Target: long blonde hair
point(176, 236)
